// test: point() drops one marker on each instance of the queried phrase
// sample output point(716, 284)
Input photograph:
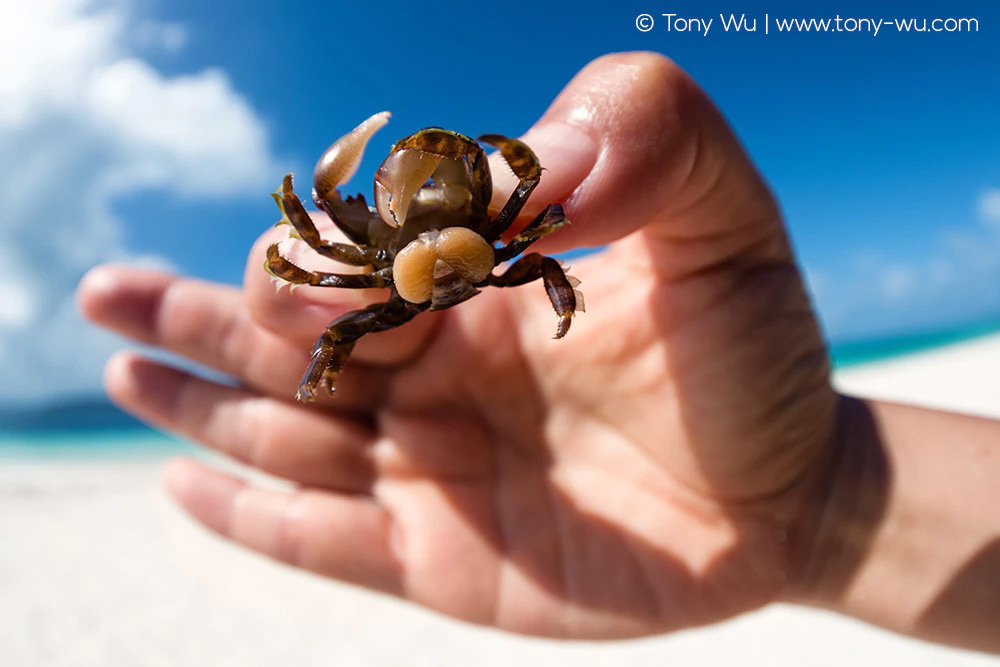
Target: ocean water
point(89, 430)
point(847, 354)
point(96, 429)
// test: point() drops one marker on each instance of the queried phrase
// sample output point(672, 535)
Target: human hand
point(651, 471)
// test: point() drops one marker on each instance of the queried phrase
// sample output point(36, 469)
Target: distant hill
point(93, 414)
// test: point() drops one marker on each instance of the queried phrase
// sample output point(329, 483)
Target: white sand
point(97, 568)
point(963, 378)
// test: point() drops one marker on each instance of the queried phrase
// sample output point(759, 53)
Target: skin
point(679, 458)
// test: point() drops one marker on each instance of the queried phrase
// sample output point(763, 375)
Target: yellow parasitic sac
point(413, 268)
point(461, 249)
point(466, 252)
point(339, 162)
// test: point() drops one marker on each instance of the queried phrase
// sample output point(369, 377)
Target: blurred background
point(152, 132)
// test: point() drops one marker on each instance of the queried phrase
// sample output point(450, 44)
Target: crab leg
point(524, 163)
point(546, 222)
point(281, 269)
point(294, 213)
point(336, 364)
point(334, 346)
point(559, 287)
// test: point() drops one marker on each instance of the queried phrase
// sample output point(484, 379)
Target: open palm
point(647, 472)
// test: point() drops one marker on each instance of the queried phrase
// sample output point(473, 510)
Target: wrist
point(845, 508)
point(902, 529)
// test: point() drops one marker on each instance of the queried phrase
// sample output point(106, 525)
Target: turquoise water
point(83, 430)
point(853, 353)
point(97, 430)
point(92, 445)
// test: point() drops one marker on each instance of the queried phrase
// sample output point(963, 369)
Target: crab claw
point(399, 178)
point(341, 160)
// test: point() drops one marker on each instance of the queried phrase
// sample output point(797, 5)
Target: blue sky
point(172, 121)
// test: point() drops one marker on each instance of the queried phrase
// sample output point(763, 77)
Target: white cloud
point(886, 293)
point(84, 121)
point(989, 207)
point(169, 37)
point(897, 282)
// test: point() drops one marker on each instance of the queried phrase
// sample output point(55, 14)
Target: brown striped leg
point(546, 222)
point(559, 287)
point(334, 346)
point(294, 214)
point(283, 270)
point(524, 163)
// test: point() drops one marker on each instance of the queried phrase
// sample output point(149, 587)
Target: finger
point(339, 536)
point(301, 445)
point(659, 157)
point(208, 323)
point(302, 315)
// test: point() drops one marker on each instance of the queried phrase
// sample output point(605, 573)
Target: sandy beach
point(98, 568)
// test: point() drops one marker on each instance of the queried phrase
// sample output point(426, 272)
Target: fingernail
point(565, 150)
point(567, 153)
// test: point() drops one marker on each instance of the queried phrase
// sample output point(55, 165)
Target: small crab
point(429, 237)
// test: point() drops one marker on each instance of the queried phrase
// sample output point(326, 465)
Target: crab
point(429, 238)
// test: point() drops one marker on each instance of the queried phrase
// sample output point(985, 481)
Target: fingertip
point(144, 387)
point(177, 477)
point(122, 298)
point(100, 292)
point(207, 495)
point(93, 291)
point(667, 161)
point(118, 377)
point(621, 135)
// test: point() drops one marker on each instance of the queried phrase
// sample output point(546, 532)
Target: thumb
point(633, 144)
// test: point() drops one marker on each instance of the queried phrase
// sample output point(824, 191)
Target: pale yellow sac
point(339, 162)
point(460, 249)
point(399, 178)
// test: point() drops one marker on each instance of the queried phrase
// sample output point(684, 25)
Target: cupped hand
point(650, 471)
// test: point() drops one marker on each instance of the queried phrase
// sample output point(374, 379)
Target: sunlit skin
point(665, 465)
